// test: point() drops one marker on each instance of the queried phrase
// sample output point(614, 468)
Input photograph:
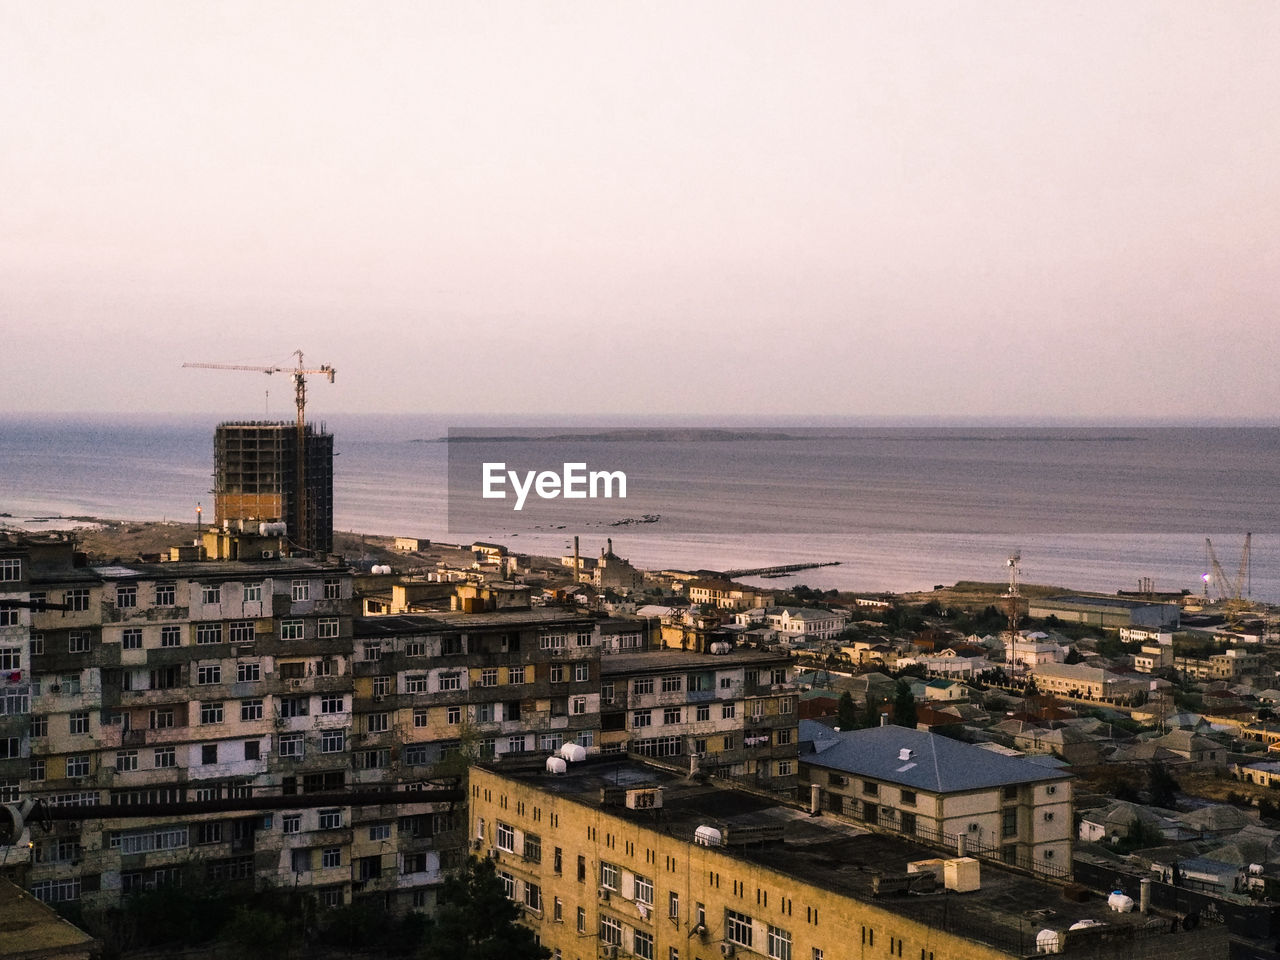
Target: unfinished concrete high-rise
point(256, 480)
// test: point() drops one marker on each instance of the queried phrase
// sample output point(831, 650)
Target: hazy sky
point(986, 208)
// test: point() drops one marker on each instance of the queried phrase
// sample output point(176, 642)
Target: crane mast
point(299, 374)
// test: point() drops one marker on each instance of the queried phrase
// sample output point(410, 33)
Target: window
point(330, 820)
point(208, 633)
point(331, 741)
point(8, 616)
point(728, 711)
point(39, 726)
point(484, 712)
point(127, 596)
point(37, 644)
point(211, 593)
point(166, 594)
point(290, 745)
point(489, 677)
point(415, 683)
point(449, 647)
point(672, 715)
point(301, 590)
point(250, 710)
point(210, 712)
point(557, 673)
point(378, 723)
point(240, 631)
point(870, 788)
point(78, 641)
point(737, 928)
point(450, 681)
point(1011, 792)
point(131, 639)
point(327, 629)
point(786, 705)
point(78, 722)
point(644, 890)
point(672, 684)
point(728, 743)
point(209, 753)
point(673, 905)
point(77, 600)
point(704, 712)
point(331, 703)
point(36, 770)
point(332, 588)
point(578, 706)
point(209, 673)
point(381, 686)
point(533, 896)
point(78, 766)
point(253, 593)
point(642, 686)
point(515, 675)
point(126, 760)
point(1009, 823)
point(641, 718)
point(170, 636)
point(164, 758)
point(779, 944)
point(291, 823)
point(380, 831)
point(300, 861)
point(643, 945)
point(248, 672)
point(610, 876)
point(160, 719)
point(330, 857)
point(290, 629)
point(611, 931)
point(551, 641)
point(294, 707)
point(909, 798)
point(785, 768)
point(506, 838)
point(10, 569)
point(581, 672)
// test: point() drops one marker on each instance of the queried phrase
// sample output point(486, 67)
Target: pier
point(774, 571)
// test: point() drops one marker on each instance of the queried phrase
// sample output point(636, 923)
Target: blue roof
point(937, 764)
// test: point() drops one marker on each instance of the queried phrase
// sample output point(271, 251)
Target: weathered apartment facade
point(732, 713)
point(137, 686)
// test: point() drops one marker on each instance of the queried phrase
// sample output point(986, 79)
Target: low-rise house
point(1084, 682)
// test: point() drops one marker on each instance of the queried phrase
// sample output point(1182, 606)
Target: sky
point(988, 209)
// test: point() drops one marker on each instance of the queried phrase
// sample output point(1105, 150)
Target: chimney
point(815, 796)
point(610, 542)
point(962, 846)
point(884, 719)
point(1144, 895)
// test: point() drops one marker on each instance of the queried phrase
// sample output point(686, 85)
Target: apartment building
point(613, 857)
point(733, 713)
point(15, 667)
point(923, 784)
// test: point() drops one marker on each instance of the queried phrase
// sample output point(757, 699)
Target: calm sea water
point(900, 508)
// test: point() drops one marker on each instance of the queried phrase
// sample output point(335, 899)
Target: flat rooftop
point(418, 622)
point(670, 659)
point(1007, 911)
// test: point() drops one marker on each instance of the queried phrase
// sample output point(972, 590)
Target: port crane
point(300, 374)
point(1233, 592)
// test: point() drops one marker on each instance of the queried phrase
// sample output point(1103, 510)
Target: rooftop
point(668, 659)
point(937, 764)
point(1006, 912)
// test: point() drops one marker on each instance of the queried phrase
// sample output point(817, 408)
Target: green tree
point(476, 921)
point(870, 713)
point(847, 712)
point(1161, 786)
point(904, 705)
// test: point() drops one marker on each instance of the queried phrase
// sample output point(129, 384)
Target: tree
point(871, 713)
point(476, 921)
point(1161, 786)
point(847, 712)
point(1073, 656)
point(904, 705)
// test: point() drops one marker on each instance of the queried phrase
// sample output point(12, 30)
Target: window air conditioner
point(726, 949)
point(604, 894)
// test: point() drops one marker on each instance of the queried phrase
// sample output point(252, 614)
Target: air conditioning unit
point(604, 894)
point(973, 828)
point(379, 697)
point(1048, 817)
point(726, 949)
point(701, 930)
point(611, 952)
point(1051, 789)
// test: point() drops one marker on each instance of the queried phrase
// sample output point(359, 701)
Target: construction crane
point(300, 374)
point(1233, 592)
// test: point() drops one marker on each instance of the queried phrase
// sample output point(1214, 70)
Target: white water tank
point(556, 765)
point(1120, 902)
point(1048, 941)
point(706, 836)
point(380, 568)
point(574, 752)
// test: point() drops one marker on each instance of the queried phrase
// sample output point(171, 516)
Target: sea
point(893, 507)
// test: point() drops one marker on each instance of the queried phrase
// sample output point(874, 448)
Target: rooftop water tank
point(1120, 902)
point(706, 836)
point(574, 752)
point(556, 765)
point(1048, 941)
